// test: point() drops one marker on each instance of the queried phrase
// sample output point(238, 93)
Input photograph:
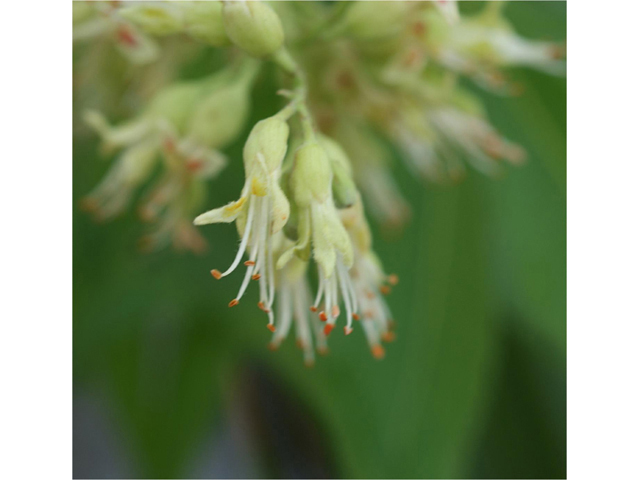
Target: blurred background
point(169, 382)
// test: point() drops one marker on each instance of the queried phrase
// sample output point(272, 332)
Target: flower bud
point(253, 26)
point(203, 22)
point(82, 11)
point(374, 20)
point(345, 192)
point(157, 19)
point(218, 119)
point(174, 103)
point(269, 139)
point(311, 175)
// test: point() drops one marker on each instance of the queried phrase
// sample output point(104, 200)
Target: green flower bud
point(203, 22)
point(220, 116)
point(373, 20)
point(311, 175)
point(175, 103)
point(82, 11)
point(345, 192)
point(157, 19)
point(253, 26)
point(268, 139)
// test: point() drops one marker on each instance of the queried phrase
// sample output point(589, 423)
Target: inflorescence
point(357, 78)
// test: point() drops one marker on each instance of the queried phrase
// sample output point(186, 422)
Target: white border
point(35, 198)
point(603, 240)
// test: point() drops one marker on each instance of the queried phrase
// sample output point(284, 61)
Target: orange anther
point(255, 277)
point(388, 337)
point(385, 289)
point(323, 316)
point(327, 328)
point(126, 36)
point(313, 309)
point(377, 351)
point(356, 316)
point(194, 165)
point(233, 302)
point(348, 330)
point(249, 263)
point(271, 327)
point(335, 311)
point(273, 346)
point(216, 274)
point(393, 279)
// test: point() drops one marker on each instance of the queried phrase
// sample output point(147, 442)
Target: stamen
point(327, 294)
point(323, 316)
point(344, 280)
point(393, 279)
point(234, 302)
point(283, 312)
point(243, 243)
point(249, 263)
point(335, 311)
point(328, 328)
point(256, 276)
point(348, 330)
point(271, 327)
point(385, 289)
point(216, 274)
point(320, 291)
point(356, 316)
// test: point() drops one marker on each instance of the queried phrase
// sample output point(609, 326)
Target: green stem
point(299, 99)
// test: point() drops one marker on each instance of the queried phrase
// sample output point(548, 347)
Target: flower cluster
point(360, 79)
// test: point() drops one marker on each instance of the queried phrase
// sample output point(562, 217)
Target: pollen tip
point(271, 327)
point(256, 276)
point(323, 350)
point(335, 311)
point(309, 363)
point(327, 328)
point(273, 346)
point(355, 316)
point(313, 309)
point(385, 289)
point(393, 279)
point(323, 316)
point(388, 337)
point(377, 351)
point(216, 274)
point(88, 205)
point(234, 302)
point(249, 263)
point(348, 330)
